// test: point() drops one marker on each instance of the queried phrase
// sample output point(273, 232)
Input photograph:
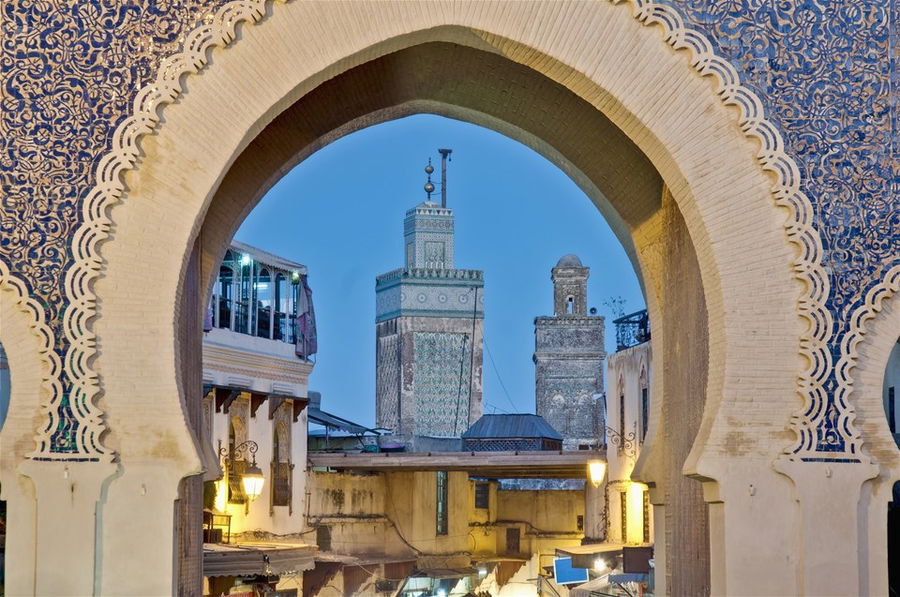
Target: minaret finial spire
point(445, 157)
point(429, 186)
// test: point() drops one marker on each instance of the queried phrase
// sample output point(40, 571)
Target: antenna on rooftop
point(445, 157)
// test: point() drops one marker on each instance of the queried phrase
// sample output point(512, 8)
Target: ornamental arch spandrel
point(657, 131)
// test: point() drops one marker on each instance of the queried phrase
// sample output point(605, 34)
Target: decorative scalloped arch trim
point(220, 31)
point(872, 304)
point(52, 365)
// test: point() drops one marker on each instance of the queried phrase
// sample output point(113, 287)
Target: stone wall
point(429, 362)
point(568, 373)
point(686, 365)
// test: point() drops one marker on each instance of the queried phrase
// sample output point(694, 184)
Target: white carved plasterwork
point(220, 31)
point(872, 304)
point(51, 365)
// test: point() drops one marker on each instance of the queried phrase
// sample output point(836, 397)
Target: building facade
point(429, 333)
point(440, 523)
point(630, 516)
point(258, 343)
point(568, 359)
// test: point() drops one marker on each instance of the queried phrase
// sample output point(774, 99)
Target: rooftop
point(267, 258)
point(522, 425)
point(569, 260)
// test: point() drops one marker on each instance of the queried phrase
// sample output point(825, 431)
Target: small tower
point(568, 357)
point(429, 323)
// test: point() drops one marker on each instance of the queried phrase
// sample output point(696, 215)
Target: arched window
point(621, 415)
point(645, 402)
point(236, 466)
point(282, 469)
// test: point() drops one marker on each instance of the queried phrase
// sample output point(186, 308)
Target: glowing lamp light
point(600, 565)
point(245, 259)
point(252, 480)
point(295, 277)
point(482, 572)
point(596, 472)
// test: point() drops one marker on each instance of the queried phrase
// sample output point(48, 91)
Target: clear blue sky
point(341, 212)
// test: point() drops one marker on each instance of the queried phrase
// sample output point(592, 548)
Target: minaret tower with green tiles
point(429, 322)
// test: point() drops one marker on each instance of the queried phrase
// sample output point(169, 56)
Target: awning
point(221, 559)
point(628, 577)
point(584, 556)
point(591, 588)
point(321, 417)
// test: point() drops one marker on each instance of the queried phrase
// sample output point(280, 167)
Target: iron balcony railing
point(632, 329)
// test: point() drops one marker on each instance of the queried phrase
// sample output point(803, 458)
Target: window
point(646, 498)
point(236, 467)
point(579, 522)
point(225, 293)
point(323, 537)
point(645, 411)
point(263, 295)
point(441, 503)
point(892, 410)
point(623, 503)
point(570, 305)
point(482, 495)
point(281, 467)
point(513, 543)
point(621, 418)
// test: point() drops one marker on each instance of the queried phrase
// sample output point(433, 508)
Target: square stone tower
point(429, 324)
point(568, 357)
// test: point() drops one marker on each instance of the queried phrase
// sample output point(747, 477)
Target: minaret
point(429, 322)
point(568, 357)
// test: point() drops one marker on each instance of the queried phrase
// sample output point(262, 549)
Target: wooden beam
point(256, 401)
point(224, 398)
point(537, 464)
point(274, 403)
point(298, 405)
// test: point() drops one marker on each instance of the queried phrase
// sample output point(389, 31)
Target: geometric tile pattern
point(442, 391)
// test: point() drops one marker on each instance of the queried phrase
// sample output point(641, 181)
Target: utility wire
point(497, 373)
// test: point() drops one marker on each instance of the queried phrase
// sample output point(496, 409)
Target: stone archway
point(600, 55)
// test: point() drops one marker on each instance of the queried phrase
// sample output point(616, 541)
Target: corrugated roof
point(510, 426)
point(325, 419)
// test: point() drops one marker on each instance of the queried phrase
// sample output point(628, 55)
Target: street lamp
point(252, 481)
point(252, 478)
point(596, 472)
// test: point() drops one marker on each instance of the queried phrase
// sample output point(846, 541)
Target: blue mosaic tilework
point(441, 382)
point(826, 71)
point(823, 72)
point(70, 71)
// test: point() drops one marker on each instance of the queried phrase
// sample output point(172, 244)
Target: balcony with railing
point(265, 296)
point(632, 329)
